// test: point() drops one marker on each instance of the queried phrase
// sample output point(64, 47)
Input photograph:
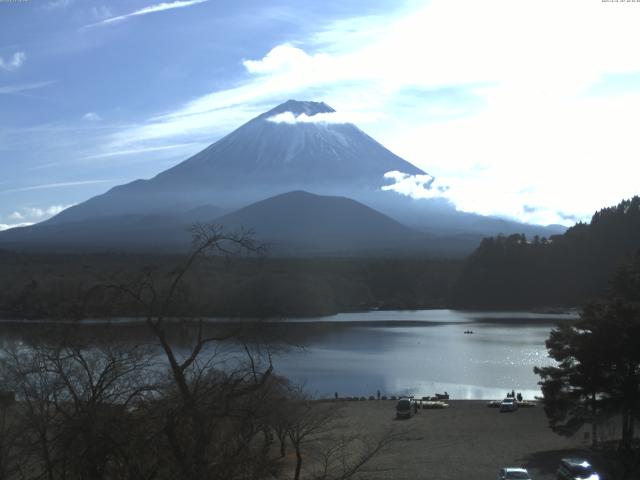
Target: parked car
point(576, 469)
point(404, 408)
point(513, 473)
point(508, 405)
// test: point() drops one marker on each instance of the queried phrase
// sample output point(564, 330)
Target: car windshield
point(517, 475)
point(581, 470)
point(403, 404)
point(507, 400)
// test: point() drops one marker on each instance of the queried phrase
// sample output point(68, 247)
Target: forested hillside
point(62, 286)
point(563, 270)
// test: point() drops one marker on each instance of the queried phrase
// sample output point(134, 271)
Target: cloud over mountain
point(323, 117)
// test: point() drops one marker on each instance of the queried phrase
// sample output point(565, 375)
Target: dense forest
point(563, 270)
point(36, 286)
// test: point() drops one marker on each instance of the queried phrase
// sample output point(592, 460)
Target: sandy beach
point(466, 440)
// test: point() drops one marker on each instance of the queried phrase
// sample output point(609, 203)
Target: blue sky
point(523, 109)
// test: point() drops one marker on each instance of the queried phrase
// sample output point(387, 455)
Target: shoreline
point(502, 316)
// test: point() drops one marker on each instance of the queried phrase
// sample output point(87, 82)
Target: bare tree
point(313, 427)
point(346, 455)
point(74, 403)
point(208, 401)
point(9, 432)
point(307, 420)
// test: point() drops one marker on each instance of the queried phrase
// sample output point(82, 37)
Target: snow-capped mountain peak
point(297, 107)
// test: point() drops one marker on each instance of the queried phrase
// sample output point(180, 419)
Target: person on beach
point(336, 394)
point(415, 408)
point(378, 394)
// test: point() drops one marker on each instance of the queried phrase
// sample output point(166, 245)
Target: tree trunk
point(298, 463)
point(281, 433)
point(626, 430)
point(594, 424)
point(268, 440)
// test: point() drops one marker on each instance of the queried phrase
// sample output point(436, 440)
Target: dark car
point(404, 408)
point(576, 469)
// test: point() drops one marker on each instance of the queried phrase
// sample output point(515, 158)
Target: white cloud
point(138, 151)
point(574, 156)
point(37, 213)
point(16, 61)
point(29, 215)
point(324, 117)
point(5, 226)
point(414, 186)
point(46, 186)
point(537, 135)
point(55, 4)
point(159, 7)
point(46, 212)
point(283, 58)
point(91, 117)
point(9, 89)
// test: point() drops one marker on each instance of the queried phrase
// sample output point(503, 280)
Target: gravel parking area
point(466, 440)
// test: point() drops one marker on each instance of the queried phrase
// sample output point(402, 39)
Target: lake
point(396, 352)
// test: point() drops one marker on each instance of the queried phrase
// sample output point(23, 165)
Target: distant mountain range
point(305, 184)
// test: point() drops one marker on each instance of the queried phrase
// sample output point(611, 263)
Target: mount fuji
point(264, 157)
point(296, 147)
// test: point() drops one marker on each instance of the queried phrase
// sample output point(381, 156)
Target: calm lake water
point(396, 352)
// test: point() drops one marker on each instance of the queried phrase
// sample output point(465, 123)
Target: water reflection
point(417, 352)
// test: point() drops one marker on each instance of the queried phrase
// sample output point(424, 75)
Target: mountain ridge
point(295, 222)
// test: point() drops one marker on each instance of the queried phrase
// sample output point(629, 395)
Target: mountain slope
point(300, 221)
point(291, 223)
point(130, 232)
point(260, 159)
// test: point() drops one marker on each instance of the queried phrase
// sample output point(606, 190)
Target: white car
point(508, 405)
point(576, 469)
point(513, 473)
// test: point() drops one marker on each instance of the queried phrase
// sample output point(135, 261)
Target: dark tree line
point(564, 270)
point(34, 286)
point(596, 381)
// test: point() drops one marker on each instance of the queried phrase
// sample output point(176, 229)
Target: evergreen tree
point(598, 370)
